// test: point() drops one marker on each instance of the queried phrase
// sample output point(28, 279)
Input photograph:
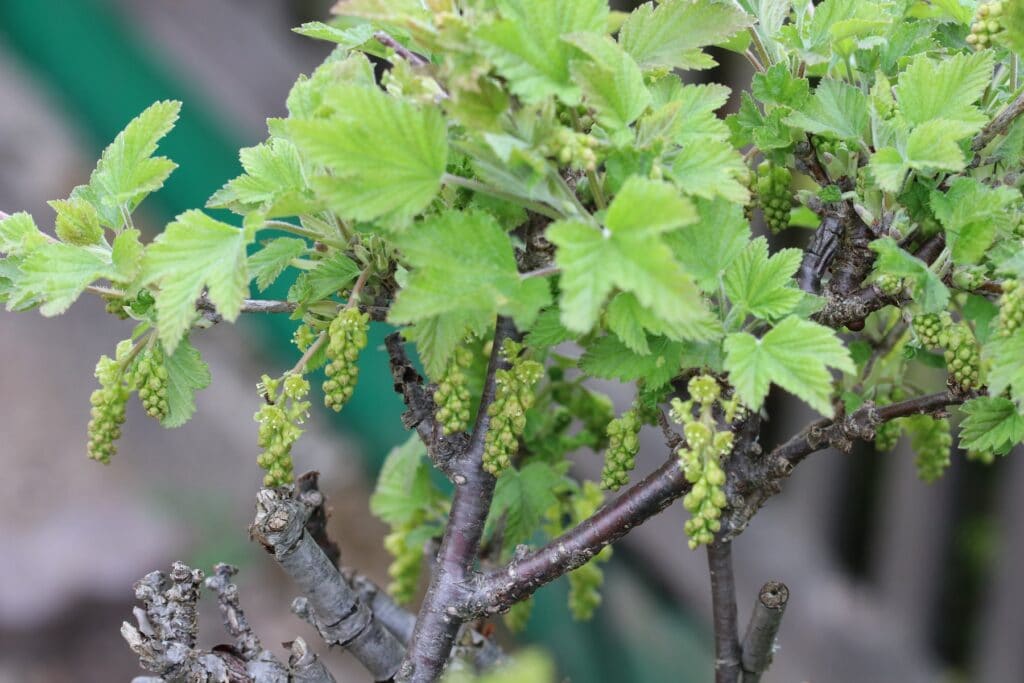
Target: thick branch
point(330, 603)
point(759, 642)
point(999, 125)
point(437, 625)
point(723, 607)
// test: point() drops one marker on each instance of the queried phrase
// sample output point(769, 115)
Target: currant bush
point(513, 397)
point(346, 338)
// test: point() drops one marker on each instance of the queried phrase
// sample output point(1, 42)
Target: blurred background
point(890, 579)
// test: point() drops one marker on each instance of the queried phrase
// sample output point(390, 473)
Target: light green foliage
point(795, 354)
point(195, 252)
point(925, 286)
point(78, 222)
point(992, 425)
point(527, 665)
point(346, 338)
point(284, 409)
point(763, 285)
point(670, 35)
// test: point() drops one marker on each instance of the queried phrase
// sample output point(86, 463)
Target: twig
point(246, 642)
point(759, 642)
point(330, 603)
point(300, 367)
point(402, 51)
point(723, 607)
point(209, 311)
point(438, 621)
point(999, 125)
point(541, 272)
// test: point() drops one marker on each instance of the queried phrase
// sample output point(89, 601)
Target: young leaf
point(193, 252)
point(945, 89)
point(970, 212)
point(267, 264)
point(403, 485)
point(609, 358)
point(837, 108)
point(778, 86)
point(629, 255)
point(761, 285)
point(796, 355)
point(332, 274)
point(523, 498)
point(127, 256)
point(386, 156)
point(347, 38)
point(19, 235)
point(612, 83)
point(527, 47)
point(57, 273)
point(992, 425)
point(127, 171)
point(671, 35)
point(708, 247)
point(186, 374)
point(273, 182)
point(711, 169)
point(1006, 371)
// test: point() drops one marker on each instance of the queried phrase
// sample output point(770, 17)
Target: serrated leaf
point(888, 168)
point(186, 374)
point(708, 247)
point(19, 235)
point(126, 256)
point(273, 182)
point(609, 358)
point(970, 212)
point(761, 285)
point(332, 274)
point(992, 425)
point(795, 354)
point(527, 47)
point(612, 83)
point(632, 256)
point(347, 38)
point(403, 486)
point(522, 498)
point(386, 156)
point(837, 108)
point(548, 331)
point(944, 89)
point(1005, 370)
point(56, 274)
point(671, 35)
point(195, 252)
point(778, 86)
point(711, 169)
point(267, 264)
point(127, 170)
point(926, 286)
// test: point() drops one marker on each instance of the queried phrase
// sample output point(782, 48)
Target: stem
point(999, 125)
point(723, 604)
point(357, 288)
point(759, 643)
point(402, 51)
point(546, 271)
point(477, 186)
point(597, 190)
point(762, 53)
point(300, 367)
point(105, 292)
point(438, 621)
point(303, 232)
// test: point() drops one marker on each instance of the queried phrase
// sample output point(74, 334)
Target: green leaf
point(267, 264)
point(77, 222)
point(945, 89)
point(463, 270)
point(19, 235)
point(523, 498)
point(761, 285)
point(889, 168)
point(195, 252)
point(386, 156)
point(57, 273)
point(708, 247)
point(1006, 371)
point(931, 147)
point(127, 256)
point(992, 425)
point(186, 374)
point(403, 486)
point(778, 86)
point(332, 274)
point(711, 169)
point(837, 108)
point(632, 256)
point(127, 171)
point(671, 35)
point(527, 47)
point(548, 331)
point(273, 182)
point(347, 38)
point(970, 212)
point(609, 358)
point(926, 286)
point(796, 355)
point(612, 83)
